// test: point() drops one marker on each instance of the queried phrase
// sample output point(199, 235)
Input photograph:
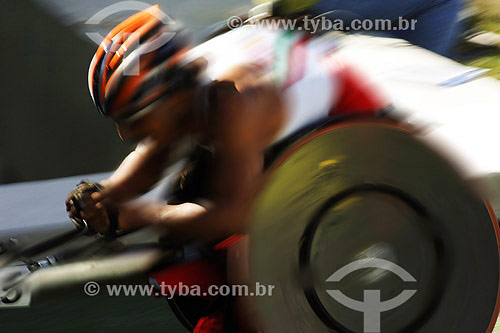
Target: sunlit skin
point(248, 117)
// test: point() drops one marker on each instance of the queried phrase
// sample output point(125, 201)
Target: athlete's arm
point(138, 172)
point(246, 122)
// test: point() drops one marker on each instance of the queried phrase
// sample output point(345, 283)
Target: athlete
point(236, 94)
point(232, 98)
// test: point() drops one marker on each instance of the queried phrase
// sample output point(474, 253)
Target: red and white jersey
point(313, 81)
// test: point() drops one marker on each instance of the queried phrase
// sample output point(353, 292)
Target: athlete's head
point(140, 79)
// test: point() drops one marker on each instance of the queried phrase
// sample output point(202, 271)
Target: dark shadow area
point(69, 309)
point(467, 51)
point(49, 126)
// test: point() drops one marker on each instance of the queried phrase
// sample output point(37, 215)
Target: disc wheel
point(369, 199)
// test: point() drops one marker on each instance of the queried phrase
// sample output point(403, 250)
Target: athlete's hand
point(96, 215)
point(86, 203)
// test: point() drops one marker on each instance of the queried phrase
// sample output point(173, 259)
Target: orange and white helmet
point(137, 63)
